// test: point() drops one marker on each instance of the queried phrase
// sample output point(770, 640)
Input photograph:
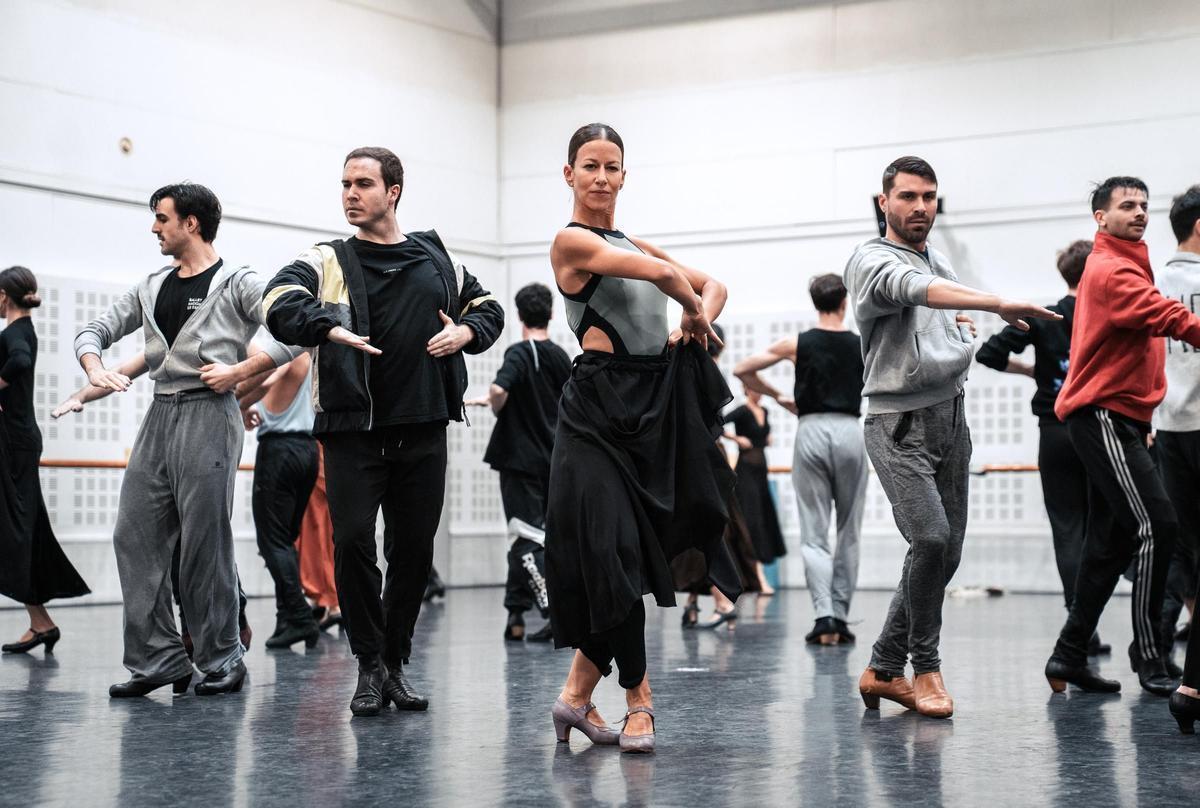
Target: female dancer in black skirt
point(753, 434)
point(636, 476)
point(33, 568)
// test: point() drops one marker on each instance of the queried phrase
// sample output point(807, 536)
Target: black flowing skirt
point(754, 495)
point(33, 567)
point(636, 478)
point(691, 570)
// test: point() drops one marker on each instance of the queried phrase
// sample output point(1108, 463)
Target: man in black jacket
point(1064, 480)
point(389, 314)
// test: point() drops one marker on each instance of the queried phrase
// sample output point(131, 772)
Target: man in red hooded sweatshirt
point(1115, 380)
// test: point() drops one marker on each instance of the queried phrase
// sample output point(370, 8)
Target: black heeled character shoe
point(46, 638)
point(1186, 710)
point(845, 635)
point(824, 632)
point(1059, 674)
point(691, 615)
point(291, 633)
point(368, 696)
point(330, 620)
point(722, 618)
point(214, 684)
point(140, 687)
point(543, 634)
point(398, 690)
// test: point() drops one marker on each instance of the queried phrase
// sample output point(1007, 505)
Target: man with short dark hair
point(1115, 381)
point(915, 357)
point(1177, 419)
point(1064, 480)
point(829, 466)
point(524, 397)
point(197, 316)
point(390, 315)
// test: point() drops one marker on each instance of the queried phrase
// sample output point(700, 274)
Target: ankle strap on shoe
point(647, 710)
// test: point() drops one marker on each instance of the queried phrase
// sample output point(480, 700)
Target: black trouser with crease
point(1065, 492)
point(624, 644)
point(285, 471)
point(1129, 518)
point(402, 468)
point(1178, 456)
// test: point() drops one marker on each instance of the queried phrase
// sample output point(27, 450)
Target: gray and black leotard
point(631, 313)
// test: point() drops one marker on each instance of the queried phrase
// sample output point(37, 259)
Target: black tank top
point(829, 372)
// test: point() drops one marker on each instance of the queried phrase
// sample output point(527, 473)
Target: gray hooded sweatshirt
point(913, 356)
point(217, 332)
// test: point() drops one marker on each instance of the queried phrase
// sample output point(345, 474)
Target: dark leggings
point(625, 644)
point(1191, 666)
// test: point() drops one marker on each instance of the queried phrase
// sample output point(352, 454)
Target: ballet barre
point(105, 464)
point(986, 468)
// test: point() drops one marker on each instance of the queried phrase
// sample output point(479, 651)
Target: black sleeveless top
point(829, 372)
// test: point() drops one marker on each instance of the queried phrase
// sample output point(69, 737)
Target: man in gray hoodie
point(916, 351)
point(197, 316)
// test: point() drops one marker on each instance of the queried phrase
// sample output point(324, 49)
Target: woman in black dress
point(33, 568)
point(752, 427)
point(636, 477)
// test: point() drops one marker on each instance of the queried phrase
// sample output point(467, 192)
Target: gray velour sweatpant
point(829, 469)
point(922, 459)
point(178, 487)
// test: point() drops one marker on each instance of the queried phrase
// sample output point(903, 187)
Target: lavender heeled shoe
point(567, 717)
point(638, 743)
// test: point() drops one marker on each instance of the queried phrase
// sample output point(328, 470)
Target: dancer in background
point(1115, 381)
point(1064, 480)
point(690, 568)
point(524, 397)
point(315, 546)
point(829, 465)
point(636, 476)
point(390, 315)
point(915, 358)
point(752, 434)
point(280, 407)
point(1177, 423)
point(33, 567)
point(197, 316)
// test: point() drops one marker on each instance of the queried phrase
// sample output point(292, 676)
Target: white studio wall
point(755, 142)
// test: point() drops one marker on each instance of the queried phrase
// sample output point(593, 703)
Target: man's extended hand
point(451, 339)
point(109, 379)
point(220, 378)
point(343, 336)
point(1013, 312)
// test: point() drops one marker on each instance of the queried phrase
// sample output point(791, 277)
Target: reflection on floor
point(752, 717)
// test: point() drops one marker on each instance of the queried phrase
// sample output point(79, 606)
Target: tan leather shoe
point(932, 698)
point(898, 689)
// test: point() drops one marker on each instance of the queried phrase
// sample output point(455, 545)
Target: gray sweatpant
point(829, 468)
point(923, 460)
point(178, 487)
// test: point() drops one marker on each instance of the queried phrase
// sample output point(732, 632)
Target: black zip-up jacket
point(324, 287)
point(1051, 341)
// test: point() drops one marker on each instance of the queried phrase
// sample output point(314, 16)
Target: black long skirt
point(691, 570)
point(754, 495)
point(33, 567)
point(635, 479)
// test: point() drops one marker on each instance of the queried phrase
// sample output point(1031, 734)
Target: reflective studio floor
point(752, 717)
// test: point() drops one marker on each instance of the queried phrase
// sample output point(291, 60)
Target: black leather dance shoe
point(215, 684)
point(368, 696)
point(1059, 674)
point(46, 638)
point(845, 635)
point(140, 687)
point(691, 615)
point(290, 633)
point(1152, 673)
point(330, 620)
point(397, 689)
point(514, 630)
point(824, 632)
point(543, 634)
point(1173, 669)
point(435, 587)
point(1186, 710)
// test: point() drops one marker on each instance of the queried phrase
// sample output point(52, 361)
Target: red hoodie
point(1117, 351)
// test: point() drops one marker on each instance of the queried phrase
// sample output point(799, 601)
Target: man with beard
point(390, 315)
point(915, 356)
point(1115, 381)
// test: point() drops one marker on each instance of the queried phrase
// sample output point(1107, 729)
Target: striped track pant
point(1130, 520)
